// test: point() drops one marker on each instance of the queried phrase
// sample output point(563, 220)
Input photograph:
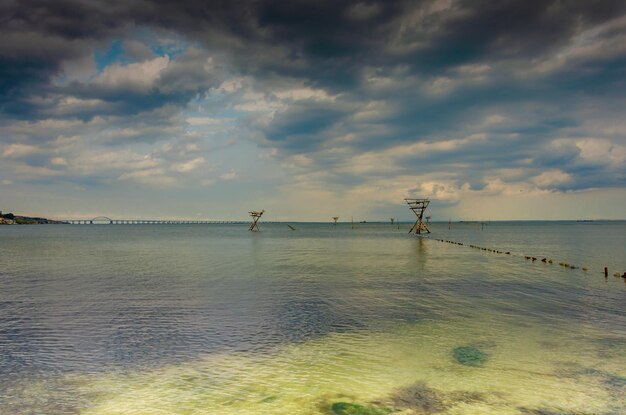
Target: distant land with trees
point(11, 219)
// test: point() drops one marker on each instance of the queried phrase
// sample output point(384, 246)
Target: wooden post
point(335, 218)
point(418, 206)
point(255, 218)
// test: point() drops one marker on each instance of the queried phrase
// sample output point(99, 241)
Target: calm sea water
point(213, 319)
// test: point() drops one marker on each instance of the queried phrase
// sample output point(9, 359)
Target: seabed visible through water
point(185, 320)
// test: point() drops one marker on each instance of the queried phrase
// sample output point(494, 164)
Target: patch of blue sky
point(197, 109)
point(212, 105)
point(173, 50)
point(160, 46)
point(113, 54)
point(163, 43)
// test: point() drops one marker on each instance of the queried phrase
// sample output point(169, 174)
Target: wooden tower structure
point(335, 218)
point(254, 226)
point(418, 206)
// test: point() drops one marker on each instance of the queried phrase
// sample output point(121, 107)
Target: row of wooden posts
point(417, 206)
point(544, 260)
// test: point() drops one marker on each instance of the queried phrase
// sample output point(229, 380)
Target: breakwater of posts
point(544, 260)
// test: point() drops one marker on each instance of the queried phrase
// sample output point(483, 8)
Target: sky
point(191, 109)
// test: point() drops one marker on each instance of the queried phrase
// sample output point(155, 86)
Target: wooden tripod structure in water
point(418, 206)
point(255, 219)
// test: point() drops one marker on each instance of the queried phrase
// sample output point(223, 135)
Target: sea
point(507, 318)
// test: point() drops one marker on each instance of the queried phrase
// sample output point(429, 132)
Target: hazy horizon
point(501, 110)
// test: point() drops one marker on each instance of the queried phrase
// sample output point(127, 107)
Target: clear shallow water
point(209, 319)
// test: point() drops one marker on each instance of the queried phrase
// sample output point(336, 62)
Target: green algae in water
point(419, 397)
point(610, 379)
point(268, 399)
point(346, 408)
point(470, 356)
point(616, 381)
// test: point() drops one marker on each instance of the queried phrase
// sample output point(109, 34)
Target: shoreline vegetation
point(11, 219)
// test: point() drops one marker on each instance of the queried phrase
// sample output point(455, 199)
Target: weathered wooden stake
point(255, 218)
point(418, 206)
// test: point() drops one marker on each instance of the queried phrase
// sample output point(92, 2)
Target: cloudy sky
point(311, 109)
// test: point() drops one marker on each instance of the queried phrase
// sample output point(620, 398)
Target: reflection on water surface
point(322, 320)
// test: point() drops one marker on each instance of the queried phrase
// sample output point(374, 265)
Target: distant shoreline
point(11, 219)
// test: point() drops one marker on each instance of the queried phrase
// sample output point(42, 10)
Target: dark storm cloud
point(302, 123)
point(395, 73)
point(309, 33)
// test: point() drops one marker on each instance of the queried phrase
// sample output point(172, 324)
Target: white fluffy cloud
point(140, 76)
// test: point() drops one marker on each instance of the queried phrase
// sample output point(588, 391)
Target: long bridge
point(103, 220)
